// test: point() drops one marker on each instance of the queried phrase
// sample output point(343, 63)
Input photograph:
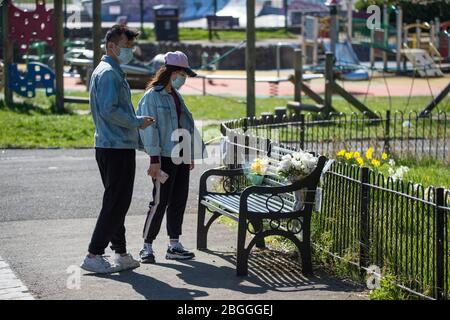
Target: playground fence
point(398, 133)
point(363, 218)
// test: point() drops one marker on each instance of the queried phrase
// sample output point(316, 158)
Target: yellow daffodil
point(356, 155)
point(257, 168)
point(360, 161)
point(376, 163)
point(341, 153)
point(384, 156)
point(348, 155)
point(369, 153)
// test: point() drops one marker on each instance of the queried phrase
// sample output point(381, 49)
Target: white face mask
point(125, 56)
point(179, 81)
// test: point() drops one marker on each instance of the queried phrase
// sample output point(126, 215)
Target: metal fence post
point(439, 247)
point(298, 74)
point(329, 81)
point(302, 131)
point(387, 132)
point(364, 220)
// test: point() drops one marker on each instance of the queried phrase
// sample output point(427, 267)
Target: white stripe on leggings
point(152, 212)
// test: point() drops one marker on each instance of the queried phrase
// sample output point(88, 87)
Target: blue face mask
point(179, 81)
point(125, 56)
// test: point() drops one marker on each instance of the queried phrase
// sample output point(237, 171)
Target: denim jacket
point(116, 123)
point(159, 138)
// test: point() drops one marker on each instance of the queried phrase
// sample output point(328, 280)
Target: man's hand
point(191, 166)
point(147, 122)
point(153, 170)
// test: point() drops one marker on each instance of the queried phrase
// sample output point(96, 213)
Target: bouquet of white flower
point(297, 166)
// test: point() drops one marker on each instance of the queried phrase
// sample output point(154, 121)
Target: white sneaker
point(98, 264)
point(126, 262)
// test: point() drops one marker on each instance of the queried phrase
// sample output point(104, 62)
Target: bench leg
point(242, 256)
point(306, 259)
point(258, 226)
point(202, 231)
point(306, 252)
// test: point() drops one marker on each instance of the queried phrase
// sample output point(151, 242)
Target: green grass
point(427, 172)
point(32, 124)
point(186, 34)
point(220, 108)
point(37, 129)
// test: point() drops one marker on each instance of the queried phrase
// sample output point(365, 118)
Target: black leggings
point(171, 195)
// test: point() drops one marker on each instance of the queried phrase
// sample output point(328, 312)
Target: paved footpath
point(48, 203)
point(11, 288)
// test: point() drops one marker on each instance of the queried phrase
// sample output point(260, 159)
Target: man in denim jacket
point(116, 138)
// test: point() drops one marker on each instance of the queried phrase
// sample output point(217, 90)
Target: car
point(138, 73)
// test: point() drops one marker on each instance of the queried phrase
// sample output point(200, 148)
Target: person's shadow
point(268, 271)
point(152, 289)
point(207, 275)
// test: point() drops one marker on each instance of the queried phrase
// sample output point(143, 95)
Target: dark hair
point(162, 76)
point(114, 34)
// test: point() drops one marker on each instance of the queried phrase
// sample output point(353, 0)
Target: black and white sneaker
point(146, 255)
point(178, 252)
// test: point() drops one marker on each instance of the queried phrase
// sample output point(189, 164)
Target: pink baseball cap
point(180, 60)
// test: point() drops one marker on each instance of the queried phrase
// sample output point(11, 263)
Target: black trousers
point(117, 169)
point(170, 196)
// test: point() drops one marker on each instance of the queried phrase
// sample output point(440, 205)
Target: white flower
point(284, 165)
point(398, 173)
point(297, 155)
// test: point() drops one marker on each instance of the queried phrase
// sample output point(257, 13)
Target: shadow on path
point(268, 271)
point(152, 289)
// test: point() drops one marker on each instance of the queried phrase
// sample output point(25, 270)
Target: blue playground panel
point(345, 55)
point(38, 75)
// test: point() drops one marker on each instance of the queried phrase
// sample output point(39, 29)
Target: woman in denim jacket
point(173, 143)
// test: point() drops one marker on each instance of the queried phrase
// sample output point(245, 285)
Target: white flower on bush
point(398, 173)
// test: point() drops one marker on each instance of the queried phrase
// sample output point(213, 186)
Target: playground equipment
point(324, 105)
point(420, 53)
point(323, 31)
point(444, 39)
point(420, 49)
point(423, 37)
point(383, 40)
point(24, 28)
point(439, 98)
point(37, 75)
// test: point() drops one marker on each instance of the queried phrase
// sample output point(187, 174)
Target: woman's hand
point(153, 170)
point(191, 166)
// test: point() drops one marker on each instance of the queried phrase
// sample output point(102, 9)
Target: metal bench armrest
point(218, 172)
